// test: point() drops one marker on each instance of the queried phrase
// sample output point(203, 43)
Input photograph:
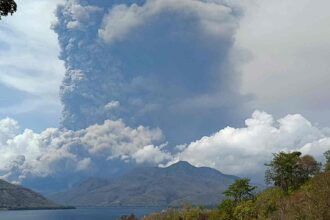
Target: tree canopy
point(291, 170)
point(327, 157)
point(240, 190)
point(307, 195)
point(7, 7)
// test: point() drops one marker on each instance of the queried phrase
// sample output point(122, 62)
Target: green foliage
point(327, 164)
point(129, 217)
point(214, 215)
point(327, 167)
point(195, 214)
point(268, 201)
point(327, 155)
point(290, 170)
point(283, 201)
point(226, 209)
point(308, 167)
point(185, 213)
point(7, 7)
point(246, 210)
point(312, 201)
point(240, 190)
point(282, 169)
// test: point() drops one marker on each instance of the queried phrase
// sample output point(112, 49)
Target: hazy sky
point(95, 85)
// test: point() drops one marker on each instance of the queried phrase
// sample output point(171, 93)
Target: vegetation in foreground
point(7, 7)
point(300, 190)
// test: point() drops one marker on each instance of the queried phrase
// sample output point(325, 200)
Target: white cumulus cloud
point(112, 106)
point(8, 129)
point(243, 151)
point(151, 154)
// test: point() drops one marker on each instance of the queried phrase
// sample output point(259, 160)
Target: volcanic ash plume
point(159, 63)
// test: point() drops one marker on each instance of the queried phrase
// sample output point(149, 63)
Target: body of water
point(78, 214)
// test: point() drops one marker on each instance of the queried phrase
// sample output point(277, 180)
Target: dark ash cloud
point(166, 64)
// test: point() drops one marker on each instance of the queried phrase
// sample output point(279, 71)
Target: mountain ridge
point(151, 186)
point(13, 197)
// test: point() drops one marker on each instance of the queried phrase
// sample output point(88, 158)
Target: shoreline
point(37, 208)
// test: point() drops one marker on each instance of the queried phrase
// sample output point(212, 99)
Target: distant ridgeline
point(151, 186)
point(13, 197)
point(301, 190)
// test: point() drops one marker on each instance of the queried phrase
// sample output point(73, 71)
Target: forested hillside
point(17, 197)
point(299, 189)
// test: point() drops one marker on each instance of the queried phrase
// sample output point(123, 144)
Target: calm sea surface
point(76, 214)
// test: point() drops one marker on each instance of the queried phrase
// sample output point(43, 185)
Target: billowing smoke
point(68, 156)
point(56, 158)
point(139, 74)
point(158, 63)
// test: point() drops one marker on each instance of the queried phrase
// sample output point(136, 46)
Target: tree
point(269, 201)
point(240, 190)
point(226, 209)
point(327, 164)
point(311, 201)
point(308, 167)
point(7, 7)
point(246, 210)
point(290, 170)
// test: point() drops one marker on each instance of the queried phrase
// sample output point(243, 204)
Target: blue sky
point(31, 72)
point(90, 85)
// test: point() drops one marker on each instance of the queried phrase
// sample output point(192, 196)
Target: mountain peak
point(181, 163)
point(175, 185)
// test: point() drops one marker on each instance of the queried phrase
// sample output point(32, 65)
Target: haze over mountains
point(151, 186)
